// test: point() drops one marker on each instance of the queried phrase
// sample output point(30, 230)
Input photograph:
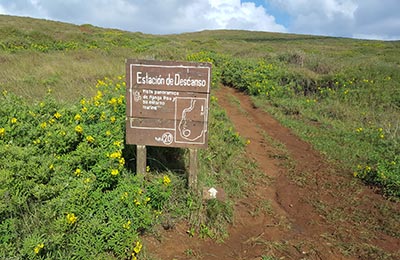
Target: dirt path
point(304, 208)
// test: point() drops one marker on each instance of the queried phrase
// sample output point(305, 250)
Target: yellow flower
point(382, 136)
point(117, 143)
point(13, 120)
point(2, 132)
point(57, 115)
point(102, 116)
point(147, 168)
point(113, 119)
point(213, 99)
point(83, 102)
point(78, 172)
point(127, 225)
point(124, 195)
point(39, 247)
point(166, 180)
point(77, 117)
point(137, 248)
point(43, 125)
point(71, 218)
point(90, 139)
point(112, 101)
point(121, 99)
point(137, 203)
point(116, 155)
point(100, 83)
point(108, 133)
point(79, 129)
point(114, 172)
point(248, 141)
point(84, 109)
point(51, 167)
point(121, 161)
point(98, 96)
point(359, 130)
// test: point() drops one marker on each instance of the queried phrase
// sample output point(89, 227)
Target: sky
point(363, 19)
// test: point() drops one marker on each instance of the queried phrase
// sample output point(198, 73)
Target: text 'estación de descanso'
point(170, 80)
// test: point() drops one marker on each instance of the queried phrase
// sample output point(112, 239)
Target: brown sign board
point(167, 103)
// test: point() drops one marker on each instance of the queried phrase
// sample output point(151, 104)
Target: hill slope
point(91, 52)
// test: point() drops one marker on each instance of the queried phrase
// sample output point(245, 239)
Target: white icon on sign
point(167, 138)
point(136, 96)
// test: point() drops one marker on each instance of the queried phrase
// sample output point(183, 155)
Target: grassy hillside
point(67, 188)
point(89, 53)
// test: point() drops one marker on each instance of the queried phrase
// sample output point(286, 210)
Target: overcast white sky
point(368, 19)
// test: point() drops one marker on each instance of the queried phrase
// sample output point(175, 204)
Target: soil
point(312, 208)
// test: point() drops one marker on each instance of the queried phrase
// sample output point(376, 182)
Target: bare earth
point(314, 210)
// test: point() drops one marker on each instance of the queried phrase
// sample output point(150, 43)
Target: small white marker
point(213, 193)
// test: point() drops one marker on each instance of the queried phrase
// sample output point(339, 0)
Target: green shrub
point(64, 185)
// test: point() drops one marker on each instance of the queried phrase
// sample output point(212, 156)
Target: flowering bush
point(63, 174)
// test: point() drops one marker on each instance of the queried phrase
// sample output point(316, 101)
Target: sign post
point(167, 105)
point(140, 159)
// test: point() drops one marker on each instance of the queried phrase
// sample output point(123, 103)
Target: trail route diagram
point(194, 109)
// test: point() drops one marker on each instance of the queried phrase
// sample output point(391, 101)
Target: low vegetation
point(351, 115)
point(67, 187)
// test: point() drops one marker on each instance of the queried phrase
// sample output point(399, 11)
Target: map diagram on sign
point(192, 130)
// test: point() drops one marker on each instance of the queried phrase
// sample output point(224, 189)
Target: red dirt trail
point(315, 208)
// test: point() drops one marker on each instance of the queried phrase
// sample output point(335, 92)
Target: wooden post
point(193, 168)
point(140, 159)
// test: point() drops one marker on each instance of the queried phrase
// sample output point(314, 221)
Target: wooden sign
point(167, 103)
